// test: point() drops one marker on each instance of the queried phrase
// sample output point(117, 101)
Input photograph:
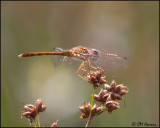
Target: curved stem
point(90, 117)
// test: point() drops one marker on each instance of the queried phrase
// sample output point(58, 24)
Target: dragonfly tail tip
point(20, 56)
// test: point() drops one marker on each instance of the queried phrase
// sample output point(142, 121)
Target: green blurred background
point(130, 29)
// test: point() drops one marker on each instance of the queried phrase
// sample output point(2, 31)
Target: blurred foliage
point(127, 28)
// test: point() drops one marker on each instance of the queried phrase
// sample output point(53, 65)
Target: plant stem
point(89, 120)
point(90, 115)
point(35, 123)
point(38, 121)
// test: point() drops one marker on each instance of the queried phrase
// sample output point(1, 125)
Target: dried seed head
point(97, 98)
point(39, 106)
point(111, 87)
point(85, 109)
point(96, 78)
point(31, 111)
point(82, 109)
point(102, 96)
point(106, 86)
point(111, 105)
point(115, 96)
point(116, 91)
point(96, 109)
point(113, 84)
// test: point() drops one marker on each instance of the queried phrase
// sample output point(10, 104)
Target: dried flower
point(96, 78)
point(31, 111)
point(110, 94)
point(111, 87)
point(85, 109)
point(116, 91)
point(102, 96)
point(39, 106)
point(111, 105)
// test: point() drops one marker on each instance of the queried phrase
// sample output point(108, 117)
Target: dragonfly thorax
point(84, 53)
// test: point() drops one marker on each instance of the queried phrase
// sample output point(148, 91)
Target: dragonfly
point(90, 58)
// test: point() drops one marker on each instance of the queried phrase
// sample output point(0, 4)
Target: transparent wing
point(111, 63)
point(111, 60)
point(71, 62)
point(57, 59)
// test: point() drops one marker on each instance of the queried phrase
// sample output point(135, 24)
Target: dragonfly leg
point(88, 66)
point(84, 70)
point(82, 77)
point(96, 68)
point(93, 67)
point(99, 68)
point(88, 71)
point(81, 68)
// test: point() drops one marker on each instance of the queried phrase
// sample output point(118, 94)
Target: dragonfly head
point(95, 54)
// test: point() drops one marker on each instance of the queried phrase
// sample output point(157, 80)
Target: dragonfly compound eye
point(95, 52)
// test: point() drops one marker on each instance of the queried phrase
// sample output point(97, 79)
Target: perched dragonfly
point(91, 58)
